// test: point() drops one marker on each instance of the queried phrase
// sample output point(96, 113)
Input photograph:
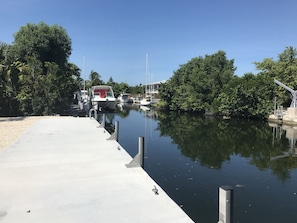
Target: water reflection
point(212, 141)
point(282, 161)
point(290, 133)
point(108, 118)
point(189, 156)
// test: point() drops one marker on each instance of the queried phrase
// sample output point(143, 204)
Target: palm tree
point(94, 79)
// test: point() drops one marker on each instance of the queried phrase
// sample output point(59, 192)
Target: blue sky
point(112, 37)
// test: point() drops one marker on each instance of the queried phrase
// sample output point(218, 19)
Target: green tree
point(68, 80)
point(45, 43)
point(94, 79)
point(28, 81)
point(121, 88)
point(247, 96)
point(110, 82)
point(3, 78)
point(195, 85)
point(114, 85)
point(138, 89)
point(284, 70)
point(47, 84)
point(9, 83)
point(74, 71)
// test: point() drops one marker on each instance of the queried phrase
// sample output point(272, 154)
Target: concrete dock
point(64, 169)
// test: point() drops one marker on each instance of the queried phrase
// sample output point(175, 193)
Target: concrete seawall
point(64, 170)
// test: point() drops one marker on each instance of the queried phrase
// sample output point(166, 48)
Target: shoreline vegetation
point(42, 81)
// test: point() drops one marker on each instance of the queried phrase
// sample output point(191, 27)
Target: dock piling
point(115, 135)
point(138, 160)
point(102, 124)
point(225, 204)
point(91, 112)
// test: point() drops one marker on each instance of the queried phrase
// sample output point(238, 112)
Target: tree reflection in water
point(212, 141)
point(190, 156)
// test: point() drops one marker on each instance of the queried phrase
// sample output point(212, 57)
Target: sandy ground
point(12, 128)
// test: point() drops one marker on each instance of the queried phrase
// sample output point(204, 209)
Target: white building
point(153, 88)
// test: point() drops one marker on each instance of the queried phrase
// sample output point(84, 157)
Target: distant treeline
point(208, 84)
point(36, 78)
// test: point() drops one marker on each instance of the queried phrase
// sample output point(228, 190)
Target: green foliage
point(196, 84)
point(94, 79)
point(110, 82)
point(43, 42)
point(209, 84)
point(284, 70)
point(122, 88)
point(118, 88)
point(9, 85)
point(136, 90)
point(212, 141)
point(248, 96)
point(36, 78)
point(252, 95)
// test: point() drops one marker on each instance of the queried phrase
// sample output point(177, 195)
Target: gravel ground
point(12, 128)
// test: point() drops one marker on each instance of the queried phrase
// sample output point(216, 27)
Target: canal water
point(191, 156)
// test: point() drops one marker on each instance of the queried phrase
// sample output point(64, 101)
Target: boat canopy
point(102, 91)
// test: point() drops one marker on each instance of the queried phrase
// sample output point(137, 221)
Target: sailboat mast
point(146, 74)
point(84, 72)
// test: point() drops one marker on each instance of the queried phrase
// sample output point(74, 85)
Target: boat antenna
point(146, 73)
point(84, 72)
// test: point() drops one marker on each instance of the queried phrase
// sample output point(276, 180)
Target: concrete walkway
point(64, 170)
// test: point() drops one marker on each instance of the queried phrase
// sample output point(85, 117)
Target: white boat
point(145, 108)
point(102, 97)
point(145, 101)
point(84, 96)
point(82, 99)
point(125, 98)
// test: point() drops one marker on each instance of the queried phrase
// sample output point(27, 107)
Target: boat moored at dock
point(102, 97)
point(146, 101)
point(124, 98)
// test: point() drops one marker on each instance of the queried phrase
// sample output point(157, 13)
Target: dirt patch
point(11, 128)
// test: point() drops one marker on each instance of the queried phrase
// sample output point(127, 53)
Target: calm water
point(191, 156)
